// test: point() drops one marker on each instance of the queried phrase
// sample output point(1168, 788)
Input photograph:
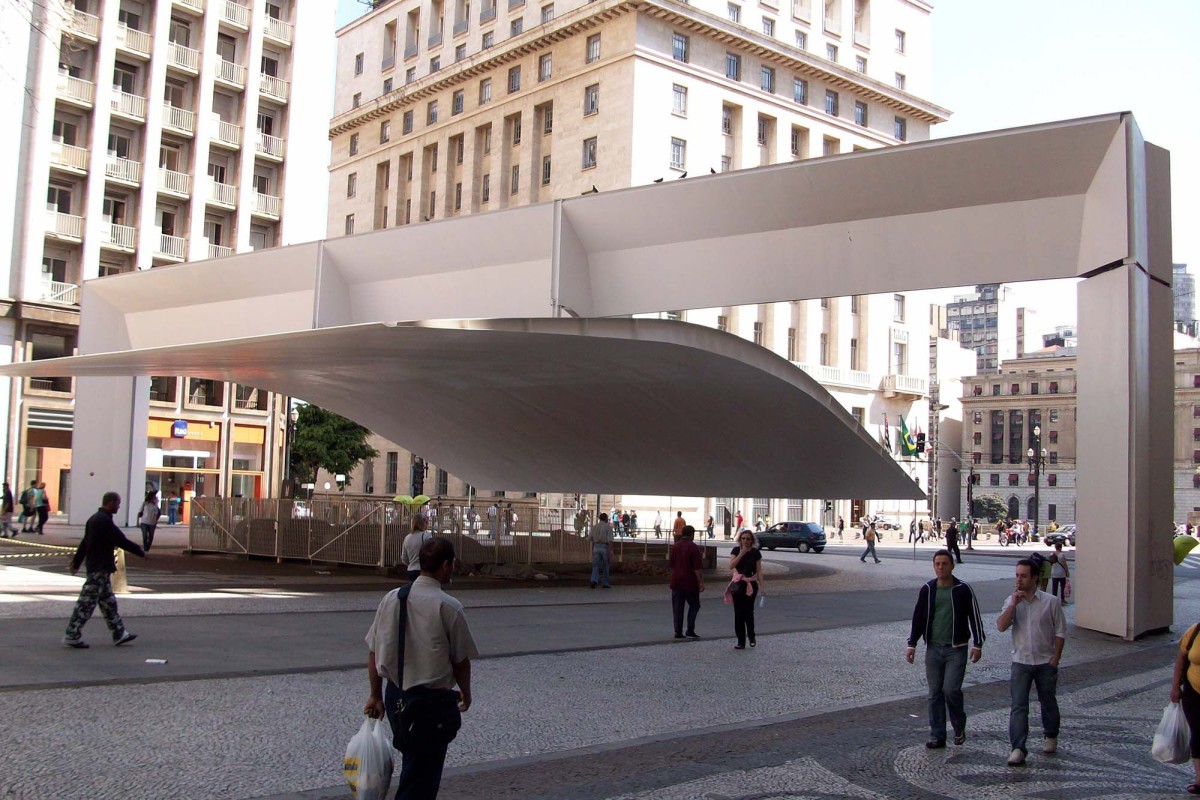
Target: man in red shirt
point(687, 581)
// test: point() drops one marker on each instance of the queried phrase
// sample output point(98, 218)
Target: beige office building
point(148, 133)
point(450, 107)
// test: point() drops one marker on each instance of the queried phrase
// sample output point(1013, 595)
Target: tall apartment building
point(445, 108)
point(1183, 292)
point(148, 133)
point(991, 324)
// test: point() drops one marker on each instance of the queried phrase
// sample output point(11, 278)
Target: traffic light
point(418, 476)
point(920, 443)
point(829, 505)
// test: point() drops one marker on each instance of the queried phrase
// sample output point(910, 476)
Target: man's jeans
point(945, 667)
point(1020, 678)
point(692, 598)
point(600, 559)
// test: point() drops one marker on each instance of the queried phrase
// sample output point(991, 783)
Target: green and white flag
point(908, 445)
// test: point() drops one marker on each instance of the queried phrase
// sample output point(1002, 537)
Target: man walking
point(678, 525)
point(841, 527)
point(1039, 633)
point(101, 538)
point(952, 539)
point(947, 616)
point(658, 524)
point(28, 502)
point(687, 581)
point(869, 534)
point(419, 643)
point(601, 535)
point(43, 508)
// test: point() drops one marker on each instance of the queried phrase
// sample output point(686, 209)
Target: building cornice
point(678, 15)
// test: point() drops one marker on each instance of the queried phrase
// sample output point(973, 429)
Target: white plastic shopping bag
point(368, 762)
point(1172, 740)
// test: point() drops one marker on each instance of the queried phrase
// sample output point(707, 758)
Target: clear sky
point(1028, 61)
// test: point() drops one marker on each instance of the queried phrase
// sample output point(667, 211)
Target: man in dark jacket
point(101, 538)
point(947, 616)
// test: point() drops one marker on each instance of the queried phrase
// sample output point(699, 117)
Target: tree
point(990, 507)
point(324, 440)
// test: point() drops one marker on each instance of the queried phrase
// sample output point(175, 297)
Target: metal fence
point(368, 532)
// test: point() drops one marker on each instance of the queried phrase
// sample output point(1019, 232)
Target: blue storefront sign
point(179, 430)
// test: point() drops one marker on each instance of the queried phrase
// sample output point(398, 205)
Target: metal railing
point(172, 246)
point(229, 133)
point(77, 89)
point(273, 87)
point(219, 250)
point(81, 23)
point(279, 30)
point(63, 385)
point(184, 57)
point(69, 156)
point(247, 398)
point(131, 105)
point(58, 292)
point(231, 72)
point(67, 226)
point(175, 182)
point(123, 169)
point(179, 119)
point(193, 5)
point(236, 13)
point(132, 39)
point(121, 237)
point(222, 193)
point(266, 204)
point(269, 145)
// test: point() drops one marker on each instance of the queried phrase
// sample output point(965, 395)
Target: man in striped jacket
point(947, 616)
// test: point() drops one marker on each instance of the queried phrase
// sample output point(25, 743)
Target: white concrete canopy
point(1081, 198)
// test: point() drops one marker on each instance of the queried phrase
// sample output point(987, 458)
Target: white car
point(886, 523)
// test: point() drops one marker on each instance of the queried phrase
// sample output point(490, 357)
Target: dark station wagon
point(803, 536)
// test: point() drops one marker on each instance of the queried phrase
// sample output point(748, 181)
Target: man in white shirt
point(601, 535)
point(1039, 633)
point(410, 548)
point(419, 694)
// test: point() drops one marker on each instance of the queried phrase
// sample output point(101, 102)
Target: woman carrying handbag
point(745, 588)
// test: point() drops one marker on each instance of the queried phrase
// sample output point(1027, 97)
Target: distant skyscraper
point(1183, 287)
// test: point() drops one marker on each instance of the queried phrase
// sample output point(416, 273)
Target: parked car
point(1065, 535)
point(803, 536)
point(883, 523)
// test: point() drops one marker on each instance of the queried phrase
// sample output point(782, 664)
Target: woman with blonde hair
point(745, 588)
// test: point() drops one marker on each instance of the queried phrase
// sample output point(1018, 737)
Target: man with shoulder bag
point(421, 646)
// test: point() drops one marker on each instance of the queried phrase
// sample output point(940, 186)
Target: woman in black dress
point(745, 564)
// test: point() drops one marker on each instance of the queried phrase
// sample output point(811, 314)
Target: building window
point(1053, 456)
point(758, 333)
point(901, 81)
point(900, 41)
point(679, 47)
point(854, 354)
point(547, 13)
point(1054, 415)
point(486, 188)
point(678, 153)
point(977, 458)
point(593, 48)
point(515, 27)
point(733, 66)
point(860, 113)
point(763, 125)
point(456, 102)
point(1015, 389)
point(768, 26)
point(797, 136)
point(406, 124)
point(860, 65)
point(734, 11)
point(1053, 387)
point(831, 52)
point(898, 307)
point(392, 476)
point(831, 102)
point(591, 99)
point(548, 121)
point(515, 183)
point(435, 64)
point(351, 184)
point(545, 66)
point(485, 91)
point(457, 196)
point(766, 79)
point(994, 479)
point(800, 91)
point(359, 60)
point(514, 79)
point(349, 224)
point(545, 170)
point(854, 303)
point(723, 324)
point(589, 153)
point(726, 120)
point(1014, 479)
point(978, 418)
point(460, 52)
point(978, 439)
point(431, 112)
point(410, 74)
point(385, 131)
point(679, 100)
point(489, 40)
point(793, 346)
point(900, 129)
point(1052, 479)
point(1033, 388)
point(354, 144)
point(387, 85)
point(726, 163)
point(801, 40)
point(356, 100)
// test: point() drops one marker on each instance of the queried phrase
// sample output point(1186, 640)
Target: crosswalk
point(1191, 562)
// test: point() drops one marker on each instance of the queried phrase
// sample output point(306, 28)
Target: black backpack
point(1038, 561)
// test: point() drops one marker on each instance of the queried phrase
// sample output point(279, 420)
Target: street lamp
point(1037, 462)
point(289, 433)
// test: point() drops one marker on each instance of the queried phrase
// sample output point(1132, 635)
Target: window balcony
point(862, 38)
point(274, 88)
point(119, 237)
point(487, 14)
point(837, 376)
point(84, 25)
point(65, 293)
point(270, 146)
point(67, 227)
point(179, 120)
point(75, 90)
point(389, 61)
point(461, 26)
point(410, 50)
point(833, 25)
point(193, 6)
point(183, 58)
point(904, 386)
point(228, 134)
point(68, 157)
point(176, 183)
point(279, 30)
point(222, 194)
point(61, 385)
point(247, 398)
point(266, 205)
point(231, 73)
point(123, 170)
point(129, 105)
point(435, 39)
point(171, 248)
point(236, 14)
point(139, 43)
point(219, 251)
point(802, 9)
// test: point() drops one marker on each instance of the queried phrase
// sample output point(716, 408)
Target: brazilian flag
point(908, 445)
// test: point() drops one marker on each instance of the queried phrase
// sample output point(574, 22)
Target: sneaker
point(1016, 758)
point(78, 644)
point(593, 585)
point(124, 638)
point(935, 744)
point(960, 737)
point(752, 642)
point(1050, 746)
point(692, 635)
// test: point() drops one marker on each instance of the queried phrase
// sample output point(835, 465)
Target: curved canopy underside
point(600, 405)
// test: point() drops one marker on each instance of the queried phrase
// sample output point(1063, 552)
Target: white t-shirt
point(411, 549)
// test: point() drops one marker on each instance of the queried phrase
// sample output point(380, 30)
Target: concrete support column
point(109, 445)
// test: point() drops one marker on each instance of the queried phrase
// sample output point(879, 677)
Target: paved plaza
point(579, 693)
